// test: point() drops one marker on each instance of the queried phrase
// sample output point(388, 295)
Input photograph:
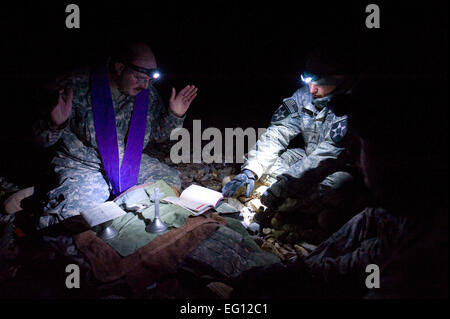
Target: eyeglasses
point(153, 74)
point(141, 80)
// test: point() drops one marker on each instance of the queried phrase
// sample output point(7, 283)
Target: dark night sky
point(245, 56)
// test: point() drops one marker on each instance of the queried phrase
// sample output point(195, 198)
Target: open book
point(102, 213)
point(197, 199)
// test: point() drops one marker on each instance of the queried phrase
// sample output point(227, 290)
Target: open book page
point(102, 213)
point(196, 198)
point(201, 194)
point(195, 208)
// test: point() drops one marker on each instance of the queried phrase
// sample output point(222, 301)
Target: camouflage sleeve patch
point(338, 130)
point(288, 107)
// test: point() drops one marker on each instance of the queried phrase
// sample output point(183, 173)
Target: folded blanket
point(145, 266)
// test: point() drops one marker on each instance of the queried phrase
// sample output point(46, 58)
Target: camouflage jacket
point(77, 145)
point(323, 133)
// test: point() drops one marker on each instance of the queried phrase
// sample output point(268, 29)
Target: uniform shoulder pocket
point(288, 107)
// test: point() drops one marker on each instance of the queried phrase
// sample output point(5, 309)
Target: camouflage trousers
point(368, 238)
point(84, 188)
point(334, 200)
point(397, 244)
point(330, 192)
point(337, 267)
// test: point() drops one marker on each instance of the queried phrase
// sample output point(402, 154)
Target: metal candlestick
point(108, 231)
point(157, 225)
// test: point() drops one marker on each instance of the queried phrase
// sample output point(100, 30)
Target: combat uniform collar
point(322, 114)
point(310, 107)
point(318, 114)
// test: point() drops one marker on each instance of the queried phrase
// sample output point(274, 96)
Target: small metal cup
point(156, 226)
point(108, 232)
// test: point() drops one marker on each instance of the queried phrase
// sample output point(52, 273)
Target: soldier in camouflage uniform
point(82, 183)
point(404, 234)
point(306, 180)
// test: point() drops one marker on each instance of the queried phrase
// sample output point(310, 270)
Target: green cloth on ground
point(225, 253)
point(225, 208)
point(237, 226)
point(131, 227)
point(229, 251)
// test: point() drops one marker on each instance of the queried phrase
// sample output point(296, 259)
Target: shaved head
point(140, 51)
point(135, 52)
point(125, 78)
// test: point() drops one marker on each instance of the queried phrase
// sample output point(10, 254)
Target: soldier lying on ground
point(317, 178)
point(405, 235)
point(103, 120)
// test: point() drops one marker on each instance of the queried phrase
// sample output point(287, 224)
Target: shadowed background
point(244, 56)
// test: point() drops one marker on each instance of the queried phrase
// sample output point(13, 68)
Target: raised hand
point(179, 103)
point(62, 110)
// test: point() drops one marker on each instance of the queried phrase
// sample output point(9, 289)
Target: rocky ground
point(284, 236)
point(287, 238)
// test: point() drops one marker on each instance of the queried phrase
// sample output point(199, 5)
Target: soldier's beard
point(321, 102)
point(130, 91)
point(121, 85)
point(118, 84)
point(122, 90)
point(136, 91)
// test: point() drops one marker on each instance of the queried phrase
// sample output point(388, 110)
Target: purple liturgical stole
point(125, 176)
